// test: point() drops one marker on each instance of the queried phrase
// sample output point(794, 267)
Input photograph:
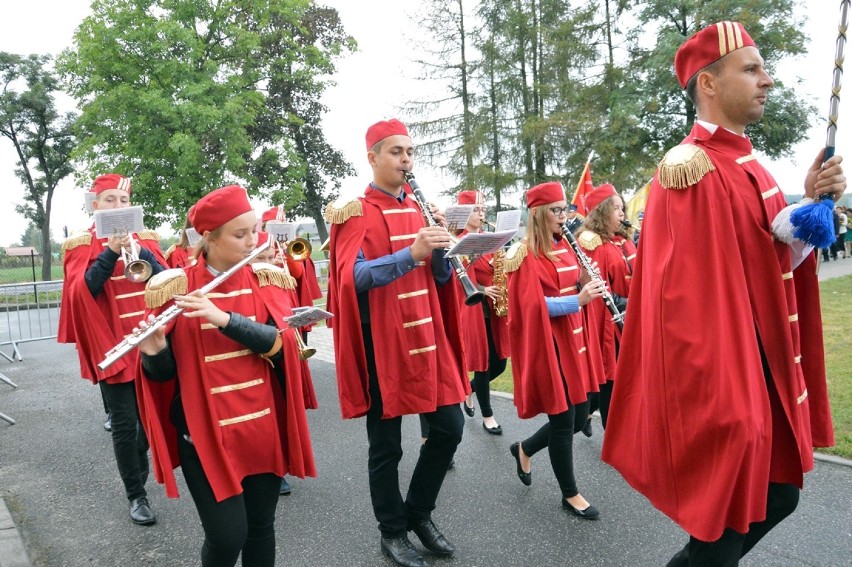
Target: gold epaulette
point(589, 240)
point(163, 286)
point(515, 256)
point(684, 165)
point(268, 274)
point(168, 252)
point(340, 210)
point(77, 239)
point(147, 235)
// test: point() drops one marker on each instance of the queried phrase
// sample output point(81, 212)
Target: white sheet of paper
point(192, 236)
point(307, 316)
point(477, 244)
point(89, 198)
point(109, 222)
point(457, 216)
point(281, 230)
point(508, 220)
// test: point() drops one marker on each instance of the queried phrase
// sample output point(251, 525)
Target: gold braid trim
point(147, 235)
point(340, 210)
point(267, 274)
point(683, 166)
point(589, 240)
point(164, 286)
point(515, 256)
point(77, 239)
point(168, 252)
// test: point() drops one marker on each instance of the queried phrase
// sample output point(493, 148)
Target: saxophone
point(501, 304)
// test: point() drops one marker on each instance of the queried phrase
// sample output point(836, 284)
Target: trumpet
point(472, 295)
point(299, 249)
point(136, 270)
point(305, 352)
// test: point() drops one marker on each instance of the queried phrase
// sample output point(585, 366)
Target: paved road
point(59, 481)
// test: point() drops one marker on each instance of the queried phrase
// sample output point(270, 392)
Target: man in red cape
point(396, 339)
point(720, 388)
point(99, 307)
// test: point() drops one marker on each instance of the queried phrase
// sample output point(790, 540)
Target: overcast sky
point(371, 85)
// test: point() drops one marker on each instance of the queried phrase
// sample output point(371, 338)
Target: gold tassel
point(515, 256)
point(590, 240)
point(147, 235)
point(267, 274)
point(77, 239)
point(340, 210)
point(163, 286)
point(683, 166)
point(168, 252)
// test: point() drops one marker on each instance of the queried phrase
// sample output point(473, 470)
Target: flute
point(132, 341)
point(472, 295)
point(617, 316)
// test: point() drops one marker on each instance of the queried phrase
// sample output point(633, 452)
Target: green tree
point(43, 139)
point(172, 92)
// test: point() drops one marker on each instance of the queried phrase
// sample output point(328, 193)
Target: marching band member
point(720, 391)
point(603, 242)
point(222, 394)
point(99, 307)
point(181, 253)
point(396, 340)
point(486, 335)
point(551, 365)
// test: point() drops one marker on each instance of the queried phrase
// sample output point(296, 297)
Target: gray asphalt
point(59, 481)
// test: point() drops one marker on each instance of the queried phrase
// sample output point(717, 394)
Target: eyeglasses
point(477, 210)
point(559, 211)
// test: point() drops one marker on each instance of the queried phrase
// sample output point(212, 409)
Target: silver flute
point(131, 341)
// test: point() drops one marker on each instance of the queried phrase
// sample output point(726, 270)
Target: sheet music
point(508, 220)
point(281, 230)
point(457, 216)
point(307, 316)
point(117, 221)
point(477, 244)
point(192, 236)
point(89, 198)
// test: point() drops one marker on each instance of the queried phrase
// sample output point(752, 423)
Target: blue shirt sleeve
point(381, 271)
point(564, 305)
point(441, 269)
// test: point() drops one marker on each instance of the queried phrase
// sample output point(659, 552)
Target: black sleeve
point(160, 367)
point(258, 337)
point(100, 271)
point(620, 302)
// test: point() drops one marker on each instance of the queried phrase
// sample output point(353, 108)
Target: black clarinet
point(472, 295)
point(617, 316)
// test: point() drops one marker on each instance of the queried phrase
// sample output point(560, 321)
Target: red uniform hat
point(218, 207)
point(545, 193)
point(470, 198)
point(598, 195)
point(708, 46)
point(275, 213)
point(262, 237)
point(381, 130)
point(111, 181)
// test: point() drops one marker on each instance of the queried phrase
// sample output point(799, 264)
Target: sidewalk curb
point(13, 553)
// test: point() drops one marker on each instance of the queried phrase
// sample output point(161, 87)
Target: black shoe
point(587, 429)
point(285, 487)
point(401, 552)
point(496, 430)
point(590, 513)
point(141, 513)
point(431, 538)
point(108, 423)
point(526, 477)
point(469, 410)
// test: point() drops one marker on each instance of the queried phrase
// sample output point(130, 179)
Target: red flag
point(584, 187)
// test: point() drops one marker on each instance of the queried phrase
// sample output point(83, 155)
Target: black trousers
point(128, 438)
point(244, 523)
point(481, 382)
point(558, 436)
point(385, 451)
point(727, 551)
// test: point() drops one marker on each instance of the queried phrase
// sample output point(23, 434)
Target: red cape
point(225, 459)
point(549, 355)
point(692, 423)
point(409, 384)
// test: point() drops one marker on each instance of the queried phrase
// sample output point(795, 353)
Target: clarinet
point(594, 274)
point(472, 295)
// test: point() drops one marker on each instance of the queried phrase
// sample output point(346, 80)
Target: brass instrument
point(299, 249)
point(305, 352)
point(501, 304)
point(472, 295)
point(133, 340)
point(136, 270)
